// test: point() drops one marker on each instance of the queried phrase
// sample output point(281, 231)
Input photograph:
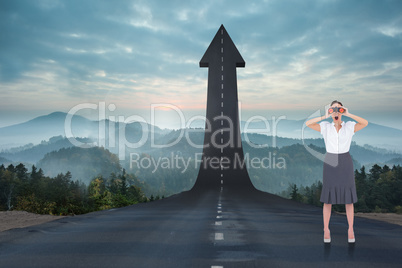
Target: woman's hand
point(361, 123)
point(346, 113)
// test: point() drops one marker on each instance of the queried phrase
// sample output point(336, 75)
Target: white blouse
point(337, 143)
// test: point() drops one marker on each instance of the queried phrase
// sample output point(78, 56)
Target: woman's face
point(336, 116)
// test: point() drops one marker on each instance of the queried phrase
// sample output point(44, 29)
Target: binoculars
point(340, 110)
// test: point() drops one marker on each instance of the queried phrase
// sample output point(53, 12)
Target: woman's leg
point(350, 211)
point(326, 212)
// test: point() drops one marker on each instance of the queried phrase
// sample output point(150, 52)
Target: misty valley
point(34, 175)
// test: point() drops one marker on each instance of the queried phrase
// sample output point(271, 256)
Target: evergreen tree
point(380, 190)
point(11, 168)
point(8, 183)
point(21, 171)
point(375, 172)
point(295, 193)
point(123, 185)
point(361, 189)
point(60, 195)
point(33, 172)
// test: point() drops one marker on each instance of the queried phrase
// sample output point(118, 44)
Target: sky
point(142, 57)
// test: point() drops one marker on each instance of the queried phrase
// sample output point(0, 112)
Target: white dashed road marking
point(219, 236)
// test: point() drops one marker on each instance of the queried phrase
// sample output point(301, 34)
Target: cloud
point(294, 50)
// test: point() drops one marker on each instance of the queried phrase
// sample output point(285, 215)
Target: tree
point(37, 193)
point(375, 172)
point(135, 195)
point(99, 194)
point(362, 186)
point(123, 185)
point(294, 195)
point(8, 183)
point(11, 168)
point(21, 171)
point(33, 172)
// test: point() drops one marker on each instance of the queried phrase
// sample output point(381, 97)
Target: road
point(203, 229)
point(222, 222)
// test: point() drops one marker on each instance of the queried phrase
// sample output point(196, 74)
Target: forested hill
point(4, 160)
point(33, 153)
point(84, 164)
point(365, 155)
point(47, 126)
point(61, 195)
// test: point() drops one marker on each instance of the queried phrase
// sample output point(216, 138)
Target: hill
point(44, 127)
point(84, 164)
point(33, 153)
point(363, 154)
point(374, 134)
point(59, 155)
point(4, 160)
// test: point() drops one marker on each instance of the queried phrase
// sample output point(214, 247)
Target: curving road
point(203, 229)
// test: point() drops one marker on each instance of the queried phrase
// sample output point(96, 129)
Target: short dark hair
point(335, 101)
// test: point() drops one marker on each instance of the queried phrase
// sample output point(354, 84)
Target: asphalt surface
point(220, 223)
point(203, 229)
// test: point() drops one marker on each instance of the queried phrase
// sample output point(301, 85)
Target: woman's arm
point(312, 123)
point(361, 122)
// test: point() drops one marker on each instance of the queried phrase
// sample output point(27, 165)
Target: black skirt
point(338, 180)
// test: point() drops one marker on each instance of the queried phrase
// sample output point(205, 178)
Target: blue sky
point(300, 55)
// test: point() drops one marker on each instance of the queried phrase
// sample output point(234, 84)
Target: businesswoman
point(338, 175)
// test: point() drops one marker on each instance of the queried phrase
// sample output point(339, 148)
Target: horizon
point(115, 119)
point(299, 57)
